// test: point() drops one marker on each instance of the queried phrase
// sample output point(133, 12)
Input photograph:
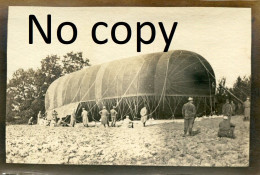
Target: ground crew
point(39, 116)
point(233, 108)
point(143, 114)
point(247, 109)
point(226, 128)
point(30, 122)
point(54, 118)
point(227, 109)
point(84, 116)
point(54, 115)
point(104, 116)
point(73, 118)
point(113, 113)
point(127, 123)
point(188, 113)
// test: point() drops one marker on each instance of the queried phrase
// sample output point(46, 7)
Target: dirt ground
point(160, 143)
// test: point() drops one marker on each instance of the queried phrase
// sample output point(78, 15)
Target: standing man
point(84, 116)
point(188, 113)
point(39, 116)
point(104, 116)
point(227, 109)
point(143, 114)
point(233, 107)
point(113, 113)
point(54, 118)
point(247, 109)
point(73, 118)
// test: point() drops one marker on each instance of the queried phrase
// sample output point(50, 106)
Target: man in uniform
point(247, 109)
point(143, 114)
point(84, 115)
point(54, 118)
point(104, 116)
point(188, 113)
point(39, 117)
point(30, 122)
point(73, 118)
point(227, 109)
point(113, 113)
point(226, 128)
point(127, 123)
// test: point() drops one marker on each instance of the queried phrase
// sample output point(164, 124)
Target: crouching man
point(127, 123)
point(226, 128)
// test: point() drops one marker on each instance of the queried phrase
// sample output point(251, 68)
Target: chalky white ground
point(160, 143)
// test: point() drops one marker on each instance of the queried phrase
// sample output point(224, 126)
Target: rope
point(164, 87)
point(130, 84)
point(220, 85)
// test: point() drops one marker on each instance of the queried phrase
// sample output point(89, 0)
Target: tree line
point(27, 88)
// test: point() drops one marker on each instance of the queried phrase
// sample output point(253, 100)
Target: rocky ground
point(160, 143)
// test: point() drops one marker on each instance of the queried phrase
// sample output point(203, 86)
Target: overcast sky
point(221, 35)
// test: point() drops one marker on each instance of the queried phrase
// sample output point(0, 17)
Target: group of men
point(226, 128)
point(85, 120)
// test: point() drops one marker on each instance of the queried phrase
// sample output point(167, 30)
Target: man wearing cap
point(226, 128)
point(227, 109)
point(247, 109)
point(104, 116)
point(113, 113)
point(188, 113)
point(84, 116)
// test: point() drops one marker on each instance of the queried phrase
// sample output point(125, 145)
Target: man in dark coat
point(227, 109)
point(104, 116)
point(188, 113)
point(226, 128)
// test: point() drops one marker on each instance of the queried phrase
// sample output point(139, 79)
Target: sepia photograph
point(143, 86)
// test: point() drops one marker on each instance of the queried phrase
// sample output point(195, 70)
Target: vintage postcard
point(161, 86)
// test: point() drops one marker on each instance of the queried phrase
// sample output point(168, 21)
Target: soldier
point(39, 116)
point(54, 116)
point(73, 118)
point(30, 122)
point(53, 122)
point(188, 112)
point(233, 107)
point(226, 128)
point(104, 116)
point(84, 115)
point(143, 114)
point(113, 113)
point(247, 109)
point(127, 123)
point(227, 109)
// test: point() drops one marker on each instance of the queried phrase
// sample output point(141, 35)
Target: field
point(160, 143)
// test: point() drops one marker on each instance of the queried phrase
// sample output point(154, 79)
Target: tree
point(242, 87)
point(27, 88)
point(73, 62)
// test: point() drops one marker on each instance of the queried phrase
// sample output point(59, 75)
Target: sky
point(221, 35)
